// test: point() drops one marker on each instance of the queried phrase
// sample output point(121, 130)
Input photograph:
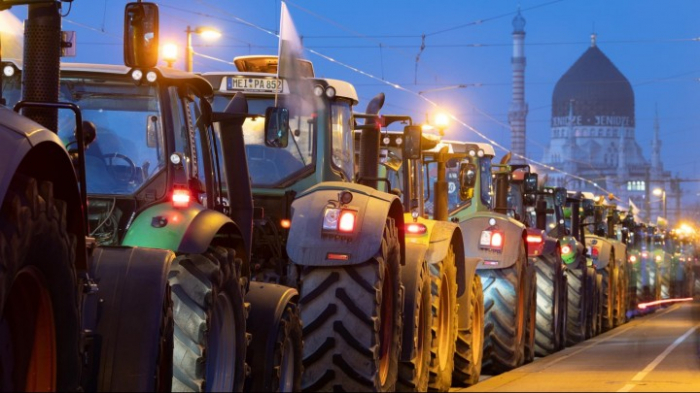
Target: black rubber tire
point(505, 300)
point(470, 343)
point(621, 298)
point(202, 286)
point(608, 297)
point(578, 306)
point(443, 281)
point(341, 309)
point(531, 321)
point(413, 373)
point(549, 306)
point(289, 334)
point(33, 236)
point(598, 306)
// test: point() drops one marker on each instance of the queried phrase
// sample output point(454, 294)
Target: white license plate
point(272, 85)
point(485, 238)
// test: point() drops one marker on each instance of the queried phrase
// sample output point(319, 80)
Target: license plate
point(271, 85)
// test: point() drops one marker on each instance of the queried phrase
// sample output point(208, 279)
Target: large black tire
point(531, 321)
point(210, 327)
point(608, 297)
point(444, 322)
point(550, 318)
point(622, 296)
point(38, 286)
point(470, 343)
point(578, 305)
point(413, 373)
point(352, 330)
point(597, 309)
point(287, 364)
point(505, 301)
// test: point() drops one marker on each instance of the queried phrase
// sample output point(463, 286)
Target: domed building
point(593, 132)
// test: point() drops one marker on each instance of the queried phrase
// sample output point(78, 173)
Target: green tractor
point(500, 241)
point(341, 243)
point(157, 177)
point(609, 256)
point(457, 321)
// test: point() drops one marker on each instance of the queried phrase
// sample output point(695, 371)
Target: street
point(655, 353)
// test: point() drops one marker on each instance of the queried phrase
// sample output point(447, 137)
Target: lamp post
point(169, 54)
point(662, 193)
point(206, 32)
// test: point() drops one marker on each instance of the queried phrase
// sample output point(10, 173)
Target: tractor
point(342, 244)
point(73, 315)
point(500, 241)
point(156, 177)
point(456, 346)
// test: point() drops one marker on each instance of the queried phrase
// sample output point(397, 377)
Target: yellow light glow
point(658, 191)
point(442, 120)
point(209, 33)
point(169, 52)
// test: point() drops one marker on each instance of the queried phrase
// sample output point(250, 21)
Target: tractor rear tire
point(413, 373)
point(665, 282)
point(608, 297)
point(505, 300)
point(352, 329)
point(470, 343)
point(579, 299)
point(549, 307)
point(444, 323)
point(531, 321)
point(597, 309)
point(39, 317)
point(210, 320)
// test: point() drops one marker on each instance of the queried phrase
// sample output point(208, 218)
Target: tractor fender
point(267, 304)
point(185, 230)
point(308, 245)
point(620, 253)
point(132, 288)
point(446, 234)
point(599, 249)
point(415, 256)
point(514, 233)
point(31, 149)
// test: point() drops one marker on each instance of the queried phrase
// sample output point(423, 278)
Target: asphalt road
point(655, 353)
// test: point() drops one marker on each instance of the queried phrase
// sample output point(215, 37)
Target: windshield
point(486, 180)
point(11, 89)
point(129, 147)
point(270, 166)
point(342, 139)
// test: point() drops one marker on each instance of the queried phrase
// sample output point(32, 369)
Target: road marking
point(649, 368)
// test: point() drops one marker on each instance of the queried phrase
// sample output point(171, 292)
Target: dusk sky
point(654, 43)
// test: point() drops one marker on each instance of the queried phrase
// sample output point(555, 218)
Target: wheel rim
point(287, 367)
point(423, 327)
point(28, 325)
point(387, 327)
point(444, 324)
point(221, 348)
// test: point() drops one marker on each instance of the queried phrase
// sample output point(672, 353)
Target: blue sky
point(650, 41)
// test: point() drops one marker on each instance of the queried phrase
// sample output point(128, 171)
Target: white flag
point(290, 49)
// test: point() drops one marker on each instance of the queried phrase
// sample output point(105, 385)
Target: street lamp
point(662, 193)
point(170, 54)
point(442, 120)
point(206, 32)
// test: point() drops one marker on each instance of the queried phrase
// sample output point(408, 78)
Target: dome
point(518, 23)
point(599, 93)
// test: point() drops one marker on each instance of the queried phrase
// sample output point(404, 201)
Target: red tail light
point(347, 221)
point(534, 239)
point(497, 240)
point(181, 197)
point(416, 228)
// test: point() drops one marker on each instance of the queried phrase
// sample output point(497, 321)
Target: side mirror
point(467, 180)
point(141, 35)
point(413, 142)
point(152, 131)
point(277, 127)
point(530, 183)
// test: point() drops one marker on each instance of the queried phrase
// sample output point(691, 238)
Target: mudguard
point(415, 256)
point(442, 235)
point(267, 304)
point(513, 232)
point(187, 230)
point(133, 285)
point(41, 154)
point(599, 250)
point(307, 244)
